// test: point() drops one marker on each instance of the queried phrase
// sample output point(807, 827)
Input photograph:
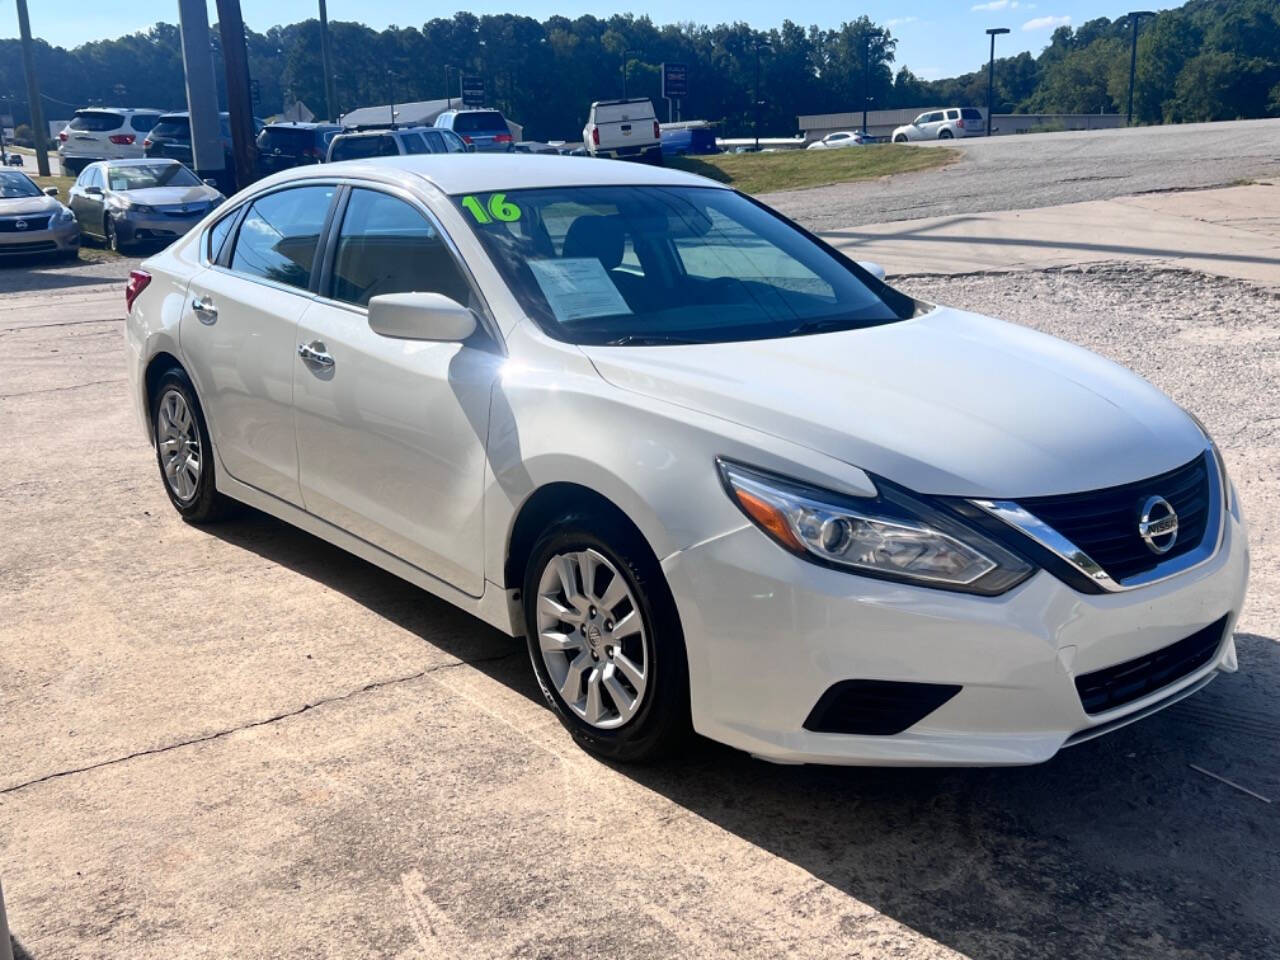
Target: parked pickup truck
point(623, 129)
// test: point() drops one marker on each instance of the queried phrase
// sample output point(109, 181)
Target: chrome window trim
point(1012, 513)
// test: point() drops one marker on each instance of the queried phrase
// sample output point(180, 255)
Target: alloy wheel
point(178, 440)
point(592, 638)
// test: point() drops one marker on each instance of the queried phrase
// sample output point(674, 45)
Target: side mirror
point(50, 191)
point(93, 191)
point(420, 316)
point(209, 182)
point(872, 268)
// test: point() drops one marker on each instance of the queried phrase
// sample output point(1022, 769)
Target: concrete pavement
point(1230, 232)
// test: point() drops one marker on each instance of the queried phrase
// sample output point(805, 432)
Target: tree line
point(1207, 60)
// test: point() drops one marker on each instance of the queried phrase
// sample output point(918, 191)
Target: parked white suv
point(103, 133)
point(715, 472)
point(623, 129)
point(942, 125)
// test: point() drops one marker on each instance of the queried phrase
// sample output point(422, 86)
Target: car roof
point(119, 110)
point(302, 125)
point(139, 162)
point(484, 172)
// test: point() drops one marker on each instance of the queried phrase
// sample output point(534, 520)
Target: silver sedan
point(32, 221)
point(124, 201)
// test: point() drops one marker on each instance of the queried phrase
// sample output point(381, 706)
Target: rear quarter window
point(172, 127)
point(970, 113)
point(143, 122)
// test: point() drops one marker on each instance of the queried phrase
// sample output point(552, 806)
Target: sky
point(936, 38)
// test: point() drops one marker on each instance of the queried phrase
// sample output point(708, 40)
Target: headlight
point(64, 215)
point(1223, 480)
point(893, 536)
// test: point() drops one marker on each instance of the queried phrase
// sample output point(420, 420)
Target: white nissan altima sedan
point(719, 475)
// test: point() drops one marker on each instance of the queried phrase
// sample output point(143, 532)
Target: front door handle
point(205, 310)
point(315, 354)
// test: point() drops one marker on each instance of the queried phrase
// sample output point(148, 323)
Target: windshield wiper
point(821, 326)
point(648, 339)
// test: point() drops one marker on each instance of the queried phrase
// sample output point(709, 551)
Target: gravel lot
point(240, 741)
point(1045, 169)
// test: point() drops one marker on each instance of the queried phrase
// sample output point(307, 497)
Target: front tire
point(184, 451)
point(900, 138)
point(112, 235)
point(605, 639)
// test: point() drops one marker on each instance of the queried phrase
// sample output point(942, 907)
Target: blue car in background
point(680, 141)
point(484, 129)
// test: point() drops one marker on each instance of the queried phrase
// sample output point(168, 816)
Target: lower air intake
point(876, 707)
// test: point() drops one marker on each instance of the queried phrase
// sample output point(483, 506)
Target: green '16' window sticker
point(497, 208)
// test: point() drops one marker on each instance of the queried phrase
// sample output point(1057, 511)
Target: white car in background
point(103, 133)
point(942, 125)
point(837, 140)
point(717, 474)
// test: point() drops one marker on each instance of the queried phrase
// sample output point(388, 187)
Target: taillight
point(123, 139)
point(503, 138)
point(595, 136)
point(63, 136)
point(138, 280)
point(465, 138)
point(657, 132)
point(960, 124)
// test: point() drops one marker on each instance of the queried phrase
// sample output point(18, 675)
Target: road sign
point(472, 91)
point(675, 80)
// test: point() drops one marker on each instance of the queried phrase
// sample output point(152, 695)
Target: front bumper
point(768, 634)
point(155, 226)
point(61, 238)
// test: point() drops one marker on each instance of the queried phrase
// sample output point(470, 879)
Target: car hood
point(163, 196)
point(28, 206)
point(950, 403)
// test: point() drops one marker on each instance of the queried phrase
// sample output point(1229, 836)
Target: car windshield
point(143, 175)
point(172, 127)
point(480, 120)
point(15, 185)
point(636, 265)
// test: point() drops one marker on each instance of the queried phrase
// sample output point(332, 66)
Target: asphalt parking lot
point(238, 740)
point(1046, 169)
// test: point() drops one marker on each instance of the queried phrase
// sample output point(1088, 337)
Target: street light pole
point(1134, 17)
point(991, 71)
point(755, 105)
point(866, 75)
point(625, 64)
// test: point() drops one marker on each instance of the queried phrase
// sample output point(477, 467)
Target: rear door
point(392, 433)
point(238, 332)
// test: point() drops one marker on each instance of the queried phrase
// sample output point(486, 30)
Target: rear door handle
point(315, 353)
point(205, 310)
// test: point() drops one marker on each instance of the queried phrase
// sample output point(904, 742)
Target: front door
point(238, 332)
point(392, 433)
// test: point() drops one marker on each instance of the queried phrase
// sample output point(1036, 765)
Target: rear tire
point(945, 135)
point(184, 451)
point(609, 654)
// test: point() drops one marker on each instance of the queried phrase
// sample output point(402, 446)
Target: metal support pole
point(239, 102)
point(1134, 17)
point(326, 64)
point(756, 104)
point(448, 91)
point(38, 128)
point(866, 83)
point(207, 157)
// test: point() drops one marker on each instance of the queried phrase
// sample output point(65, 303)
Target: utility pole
point(239, 100)
point(448, 91)
point(1134, 17)
point(758, 102)
point(993, 32)
point(38, 128)
point(326, 64)
point(207, 155)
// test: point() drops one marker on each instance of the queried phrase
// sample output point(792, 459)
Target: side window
point(218, 236)
point(387, 146)
point(953, 114)
point(278, 238)
point(435, 142)
point(386, 246)
point(453, 143)
point(413, 143)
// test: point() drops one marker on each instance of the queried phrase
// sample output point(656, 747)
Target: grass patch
point(797, 169)
point(63, 184)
